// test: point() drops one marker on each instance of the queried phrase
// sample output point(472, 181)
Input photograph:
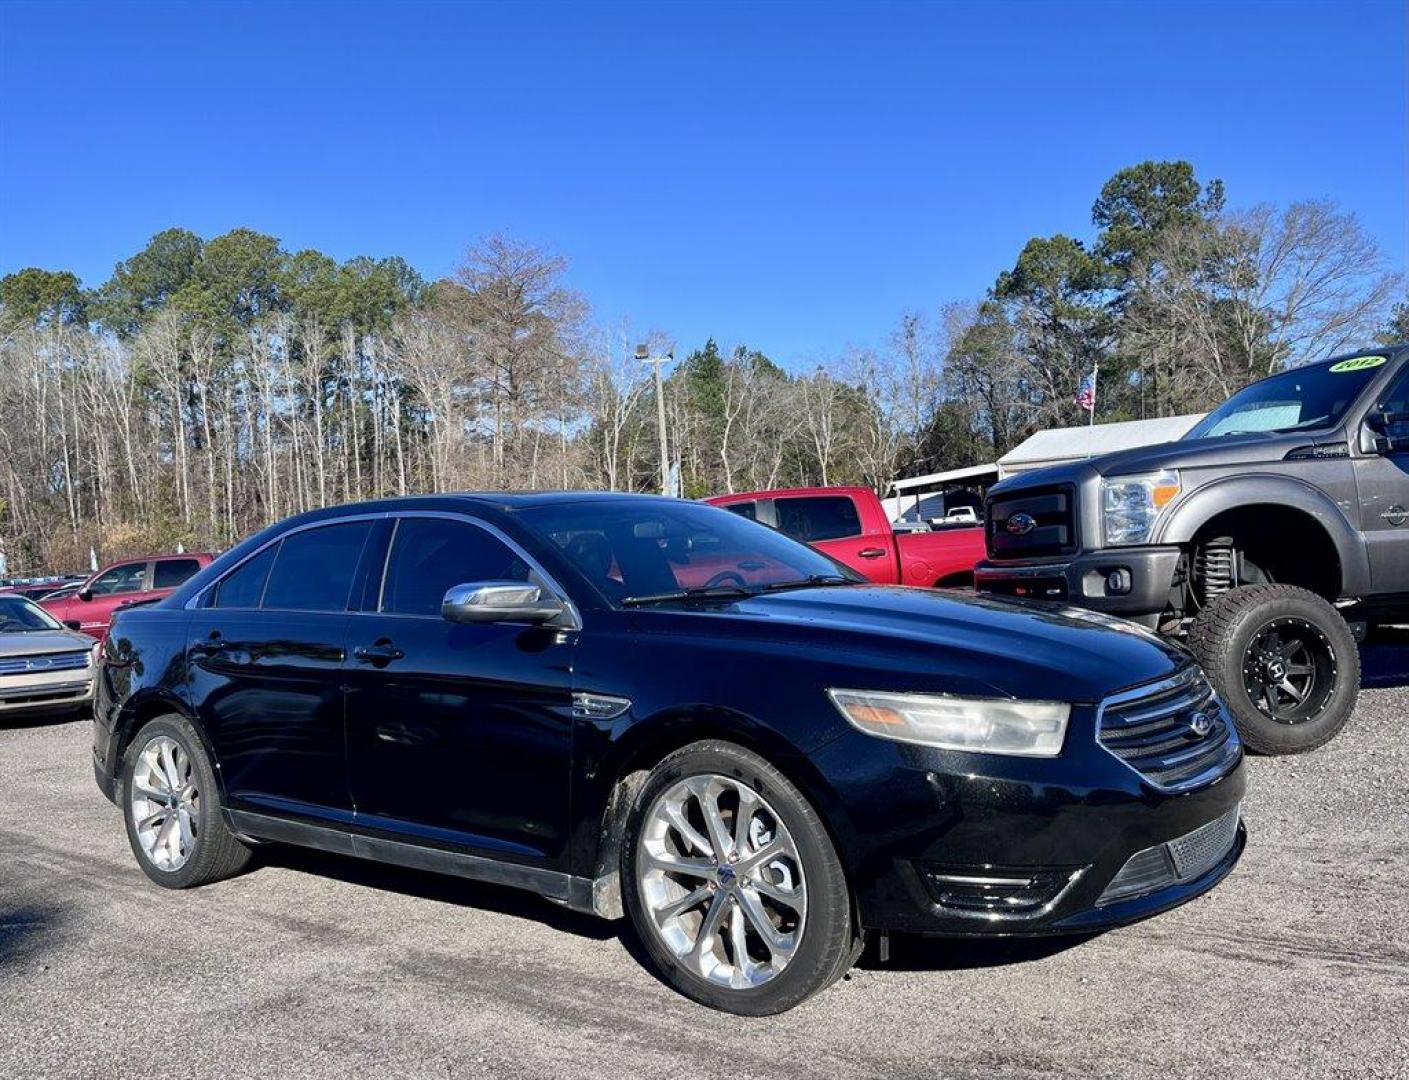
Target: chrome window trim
point(574, 615)
point(1173, 682)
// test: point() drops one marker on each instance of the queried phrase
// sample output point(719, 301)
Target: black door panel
point(267, 688)
point(466, 738)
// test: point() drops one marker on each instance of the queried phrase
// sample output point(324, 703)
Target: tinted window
point(170, 573)
point(824, 517)
point(313, 570)
point(130, 577)
point(245, 586)
point(743, 509)
point(430, 555)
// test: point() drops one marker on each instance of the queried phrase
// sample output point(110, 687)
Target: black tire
point(829, 941)
point(216, 853)
point(1235, 639)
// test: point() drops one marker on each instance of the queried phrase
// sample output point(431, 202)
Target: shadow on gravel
point(22, 932)
point(440, 887)
point(910, 952)
point(1384, 658)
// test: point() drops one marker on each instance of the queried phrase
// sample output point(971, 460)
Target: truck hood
point(1249, 449)
point(903, 638)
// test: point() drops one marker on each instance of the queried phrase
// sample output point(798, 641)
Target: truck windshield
point(1309, 397)
point(649, 551)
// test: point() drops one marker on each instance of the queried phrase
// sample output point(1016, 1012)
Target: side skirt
point(566, 889)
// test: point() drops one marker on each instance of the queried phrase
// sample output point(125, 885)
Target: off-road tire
point(218, 852)
point(830, 941)
point(1221, 637)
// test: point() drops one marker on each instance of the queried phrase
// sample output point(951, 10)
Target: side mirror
point(500, 602)
point(73, 624)
point(1381, 423)
point(85, 595)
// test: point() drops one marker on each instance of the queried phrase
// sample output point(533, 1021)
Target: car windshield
point(21, 616)
point(1310, 397)
point(656, 552)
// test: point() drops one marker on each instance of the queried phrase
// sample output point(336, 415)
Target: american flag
point(1086, 393)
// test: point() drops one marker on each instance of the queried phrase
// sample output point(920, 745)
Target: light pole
point(643, 353)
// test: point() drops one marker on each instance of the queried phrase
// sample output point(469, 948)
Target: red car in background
point(147, 578)
point(850, 525)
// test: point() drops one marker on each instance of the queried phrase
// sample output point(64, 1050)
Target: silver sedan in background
point(45, 668)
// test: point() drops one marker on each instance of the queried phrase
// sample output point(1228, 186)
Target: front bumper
point(979, 845)
point(1131, 582)
point(46, 693)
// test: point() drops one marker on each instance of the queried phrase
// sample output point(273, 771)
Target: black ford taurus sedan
point(641, 706)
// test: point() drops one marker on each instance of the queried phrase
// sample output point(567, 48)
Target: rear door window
point(170, 573)
point(245, 587)
point(314, 568)
point(810, 518)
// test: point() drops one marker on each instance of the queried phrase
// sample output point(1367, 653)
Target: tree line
point(209, 387)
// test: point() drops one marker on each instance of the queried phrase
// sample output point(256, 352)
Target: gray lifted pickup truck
point(1269, 539)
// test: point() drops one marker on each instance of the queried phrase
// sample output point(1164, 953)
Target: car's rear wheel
point(1285, 663)
point(172, 807)
point(733, 884)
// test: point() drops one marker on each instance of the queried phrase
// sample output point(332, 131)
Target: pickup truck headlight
point(985, 725)
point(1130, 506)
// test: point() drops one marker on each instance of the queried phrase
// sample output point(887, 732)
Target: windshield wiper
point(697, 592)
point(811, 581)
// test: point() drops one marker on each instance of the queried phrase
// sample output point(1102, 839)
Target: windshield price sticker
point(1359, 363)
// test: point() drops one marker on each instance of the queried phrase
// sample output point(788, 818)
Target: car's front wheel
point(172, 807)
point(733, 884)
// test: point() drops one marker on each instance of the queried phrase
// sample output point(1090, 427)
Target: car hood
point(43, 641)
point(943, 641)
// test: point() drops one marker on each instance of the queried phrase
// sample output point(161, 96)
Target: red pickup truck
point(151, 577)
point(850, 525)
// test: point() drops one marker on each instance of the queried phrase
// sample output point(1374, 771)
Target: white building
point(1055, 446)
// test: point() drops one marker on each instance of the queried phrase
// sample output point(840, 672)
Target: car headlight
point(985, 725)
point(1130, 505)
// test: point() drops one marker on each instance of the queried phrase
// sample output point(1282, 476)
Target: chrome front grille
point(1180, 860)
point(1174, 733)
point(42, 662)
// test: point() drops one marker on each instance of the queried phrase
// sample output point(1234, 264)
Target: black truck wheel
point(1285, 663)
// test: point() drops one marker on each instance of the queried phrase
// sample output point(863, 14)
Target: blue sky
point(792, 176)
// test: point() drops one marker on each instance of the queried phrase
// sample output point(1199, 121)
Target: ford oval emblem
point(1021, 524)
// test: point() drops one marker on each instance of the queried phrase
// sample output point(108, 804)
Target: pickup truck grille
point(1173, 733)
point(37, 665)
point(1052, 530)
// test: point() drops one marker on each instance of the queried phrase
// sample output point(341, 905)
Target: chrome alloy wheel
point(721, 880)
point(165, 804)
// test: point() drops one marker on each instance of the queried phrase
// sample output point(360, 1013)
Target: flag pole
point(1091, 423)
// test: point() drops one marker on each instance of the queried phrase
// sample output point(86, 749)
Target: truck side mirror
point(1381, 422)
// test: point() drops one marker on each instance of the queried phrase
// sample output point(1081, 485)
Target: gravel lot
point(318, 966)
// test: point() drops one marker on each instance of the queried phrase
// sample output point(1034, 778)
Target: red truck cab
point(850, 525)
point(149, 577)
